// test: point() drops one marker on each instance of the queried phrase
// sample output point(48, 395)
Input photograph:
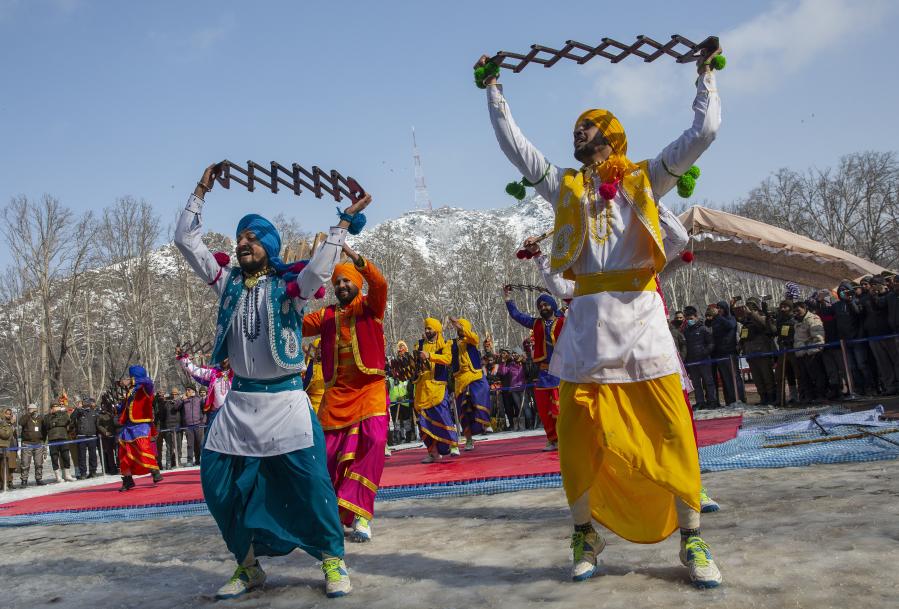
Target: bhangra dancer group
point(295, 447)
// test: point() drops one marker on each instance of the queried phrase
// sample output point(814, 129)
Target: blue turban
point(268, 236)
point(550, 301)
point(141, 378)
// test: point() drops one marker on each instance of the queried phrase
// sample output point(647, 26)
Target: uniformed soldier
point(33, 437)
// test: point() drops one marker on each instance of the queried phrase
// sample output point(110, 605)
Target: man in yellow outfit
point(469, 384)
point(432, 396)
point(626, 447)
point(313, 379)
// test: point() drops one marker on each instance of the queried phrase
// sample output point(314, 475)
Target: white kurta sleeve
point(558, 285)
point(529, 161)
point(188, 240)
point(676, 236)
point(679, 155)
point(200, 373)
point(320, 267)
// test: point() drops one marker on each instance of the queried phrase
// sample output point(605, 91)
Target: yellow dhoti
point(631, 446)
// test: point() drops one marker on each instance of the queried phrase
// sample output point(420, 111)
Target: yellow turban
point(617, 165)
point(316, 342)
point(437, 327)
point(466, 325)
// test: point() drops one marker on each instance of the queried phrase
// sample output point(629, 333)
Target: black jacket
point(785, 330)
point(724, 332)
point(893, 311)
point(875, 322)
point(85, 421)
point(699, 342)
point(57, 425)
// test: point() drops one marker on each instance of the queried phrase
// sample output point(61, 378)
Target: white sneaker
point(469, 444)
point(430, 458)
point(586, 547)
point(361, 530)
point(549, 447)
point(337, 578)
point(696, 556)
point(243, 580)
point(454, 451)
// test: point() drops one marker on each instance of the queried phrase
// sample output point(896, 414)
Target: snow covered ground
point(816, 537)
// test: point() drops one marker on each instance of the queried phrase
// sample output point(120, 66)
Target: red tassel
point(320, 292)
point(687, 256)
point(521, 254)
point(296, 267)
point(222, 258)
point(293, 290)
point(608, 190)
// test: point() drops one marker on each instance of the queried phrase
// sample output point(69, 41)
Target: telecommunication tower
point(422, 199)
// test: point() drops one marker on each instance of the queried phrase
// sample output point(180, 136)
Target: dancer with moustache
point(432, 397)
point(353, 413)
point(616, 356)
point(264, 468)
point(137, 453)
point(546, 330)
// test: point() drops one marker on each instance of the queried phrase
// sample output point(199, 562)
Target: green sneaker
point(337, 578)
point(696, 555)
point(706, 503)
point(361, 530)
point(586, 547)
point(243, 580)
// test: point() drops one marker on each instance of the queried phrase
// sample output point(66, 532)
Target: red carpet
point(491, 460)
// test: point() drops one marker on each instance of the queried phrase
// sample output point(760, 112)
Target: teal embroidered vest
point(285, 323)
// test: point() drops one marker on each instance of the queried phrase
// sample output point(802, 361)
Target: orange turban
point(347, 270)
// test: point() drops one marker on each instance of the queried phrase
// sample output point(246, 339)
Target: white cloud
point(762, 52)
point(208, 36)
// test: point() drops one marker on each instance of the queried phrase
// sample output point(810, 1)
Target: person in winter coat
point(876, 324)
point(107, 428)
point(724, 341)
point(56, 429)
point(809, 331)
point(84, 420)
point(785, 366)
point(848, 314)
point(699, 345)
point(192, 421)
point(831, 356)
point(7, 441)
point(33, 435)
point(756, 337)
point(169, 419)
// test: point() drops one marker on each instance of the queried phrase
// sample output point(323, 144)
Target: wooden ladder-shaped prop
point(295, 178)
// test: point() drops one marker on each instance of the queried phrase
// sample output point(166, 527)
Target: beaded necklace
point(249, 314)
point(601, 221)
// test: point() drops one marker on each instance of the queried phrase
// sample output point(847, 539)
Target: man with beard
point(263, 469)
point(432, 397)
point(136, 451)
point(546, 330)
point(353, 412)
point(469, 385)
point(617, 355)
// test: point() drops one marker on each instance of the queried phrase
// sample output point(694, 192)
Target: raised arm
point(677, 157)
point(376, 297)
point(676, 237)
point(557, 284)
point(199, 373)
point(522, 318)
point(529, 161)
point(188, 236)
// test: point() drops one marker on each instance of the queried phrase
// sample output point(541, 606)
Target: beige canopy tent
point(731, 241)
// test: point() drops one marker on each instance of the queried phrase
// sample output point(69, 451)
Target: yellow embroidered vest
point(571, 217)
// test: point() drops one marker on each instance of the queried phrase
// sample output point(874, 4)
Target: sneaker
point(550, 446)
point(386, 451)
point(706, 503)
point(337, 579)
point(361, 530)
point(469, 444)
point(696, 556)
point(430, 458)
point(157, 477)
point(586, 547)
point(243, 580)
point(454, 451)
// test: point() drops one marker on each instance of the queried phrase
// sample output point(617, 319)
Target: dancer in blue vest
point(263, 468)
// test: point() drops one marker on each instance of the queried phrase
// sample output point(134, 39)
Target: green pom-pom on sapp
point(685, 185)
point(516, 189)
point(491, 69)
point(693, 171)
point(479, 73)
point(718, 62)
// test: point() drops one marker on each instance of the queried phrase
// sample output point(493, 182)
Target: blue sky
point(103, 99)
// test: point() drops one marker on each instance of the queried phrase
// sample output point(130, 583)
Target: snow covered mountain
point(434, 233)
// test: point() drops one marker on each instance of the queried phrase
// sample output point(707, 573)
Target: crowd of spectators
point(801, 351)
